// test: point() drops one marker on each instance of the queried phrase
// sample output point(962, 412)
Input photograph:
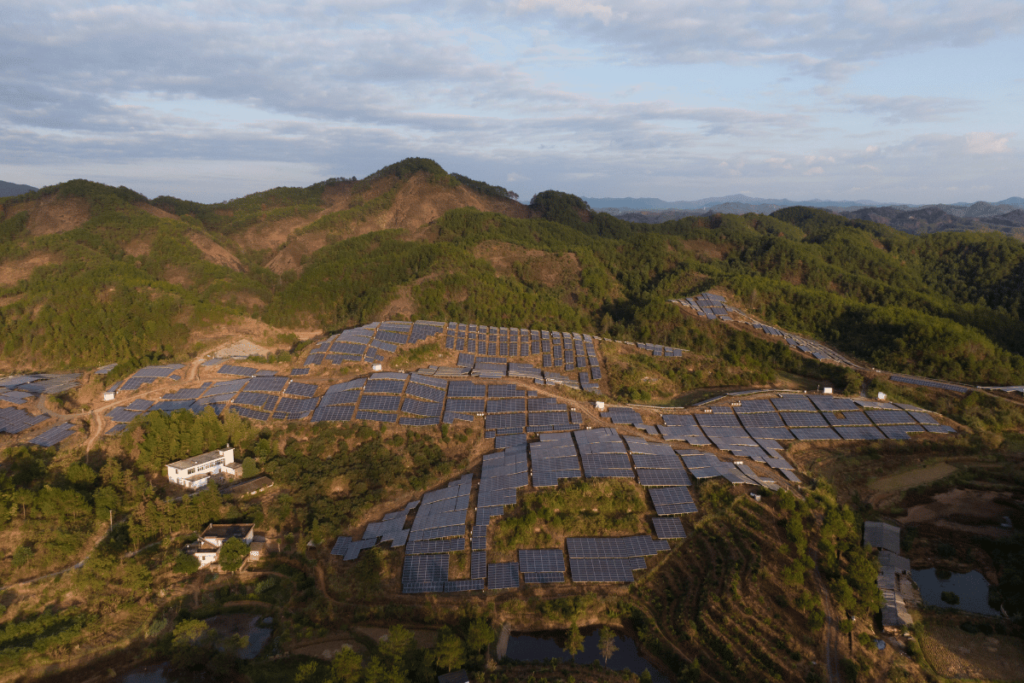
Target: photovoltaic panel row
point(267, 384)
point(602, 570)
point(54, 435)
point(333, 413)
point(668, 527)
point(449, 545)
point(532, 561)
point(622, 547)
point(425, 392)
point(503, 575)
point(381, 402)
point(546, 577)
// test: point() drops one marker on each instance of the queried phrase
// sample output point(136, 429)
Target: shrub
point(950, 597)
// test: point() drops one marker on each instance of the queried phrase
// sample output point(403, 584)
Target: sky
point(915, 101)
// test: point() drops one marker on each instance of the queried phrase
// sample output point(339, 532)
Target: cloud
point(910, 108)
point(987, 143)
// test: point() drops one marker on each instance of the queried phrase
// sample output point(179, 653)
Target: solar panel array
point(713, 307)
point(147, 375)
point(16, 420)
point(932, 384)
point(54, 435)
point(18, 388)
point(738, 428)
point(554, 457)
point(603, 453)
point(668, 527)
point(610, 560)
point(501, 475)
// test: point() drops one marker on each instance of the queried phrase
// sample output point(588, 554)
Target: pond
point(971, 588)
point(543, 646)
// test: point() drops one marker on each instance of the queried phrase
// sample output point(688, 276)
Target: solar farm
point(713, 307)
point(444, 518)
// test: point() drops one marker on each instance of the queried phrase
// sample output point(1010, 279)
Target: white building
point(195, 472)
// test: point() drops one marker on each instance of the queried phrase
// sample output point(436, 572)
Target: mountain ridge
point(13, 189)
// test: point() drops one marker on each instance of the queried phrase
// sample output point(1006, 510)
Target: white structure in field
point(195, 472)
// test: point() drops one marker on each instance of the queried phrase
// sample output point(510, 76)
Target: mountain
point(11, 190)
point(1006, 217)
point(711, 203)
point(91, 273)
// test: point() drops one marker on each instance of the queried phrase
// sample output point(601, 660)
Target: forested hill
point(92, 274)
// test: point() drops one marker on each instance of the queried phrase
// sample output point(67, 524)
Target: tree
point(232, 554)
point(249, 468)
point(374, 672)
point(186, 564)
point(192, 643)
point(450, 651)
point(573, 641)
point(346, 666)
point(480, 635)
point(606, 644)
point(396, 646)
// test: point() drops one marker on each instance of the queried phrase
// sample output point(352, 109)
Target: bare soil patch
point(402, 305)
point(704, 248)
point(214, 252)
point(17, 270)
point(907, 480)
point(51, 215)
point(290, 257)
point(957, 654)
point(534, 265)
point(961, 503)
point(139, 247)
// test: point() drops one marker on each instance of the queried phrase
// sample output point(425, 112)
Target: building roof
point(200, 459)
point(239, 530)
point(890, 559)
point(882, 535)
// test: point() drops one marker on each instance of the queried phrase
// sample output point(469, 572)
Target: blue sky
point(917, 101)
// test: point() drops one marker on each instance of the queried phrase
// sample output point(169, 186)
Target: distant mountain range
point(10, 189)
point(742, 200)
point(1006, 216)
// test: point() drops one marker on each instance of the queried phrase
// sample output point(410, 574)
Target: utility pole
point(111, 522)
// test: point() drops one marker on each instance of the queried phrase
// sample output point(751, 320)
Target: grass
point(578, 507)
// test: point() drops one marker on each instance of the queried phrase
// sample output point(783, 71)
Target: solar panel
point(717, 421)
point(753, 406)
point(815, 434)
point(601, 570)
point(449, 545)
point(668, 527)
point(797, 403)
point(333, 413)
point(505, 421)
point(891, 417)
point(804, 420)
point(478, 565)
point(768, 433)
point(860, 433)
point(771, 419)
point(384, 386)
point(939, 429)
point(503, 575)
point(506, 405)
point(300, 389)
point(509, 440)
point(341, 545)
point(294, 408)
point(268, 384)
point(545, 577)
point(435, 382)
point(382, 402)
point(376, 416)
point(929, 383)
point(663, 478)
point(466, 389)
point(534, 561)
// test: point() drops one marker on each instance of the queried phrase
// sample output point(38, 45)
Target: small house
point(196, 472)
point(217, 534)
